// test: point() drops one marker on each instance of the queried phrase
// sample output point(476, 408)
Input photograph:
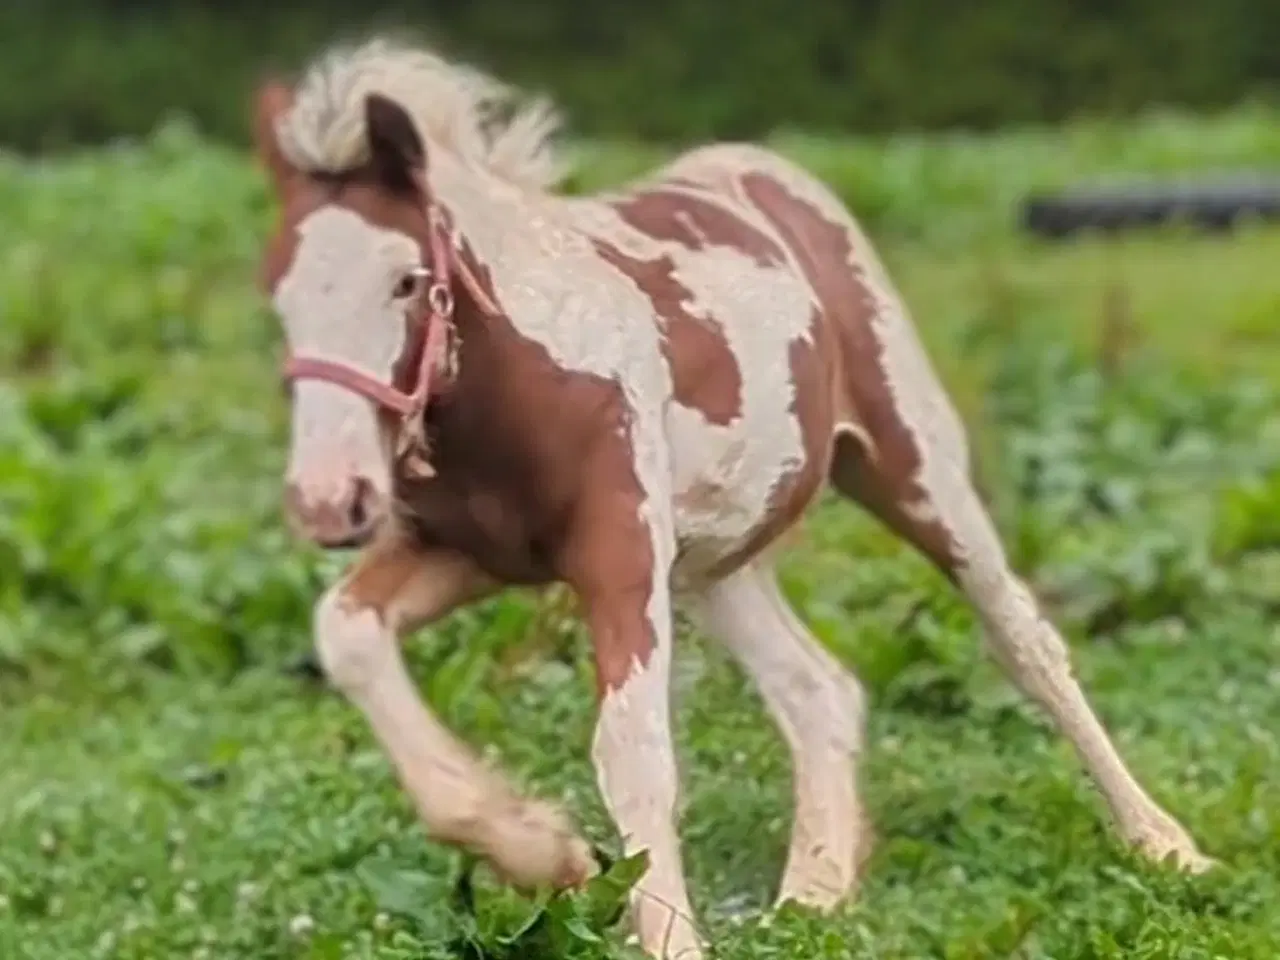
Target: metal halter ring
point(440, 299)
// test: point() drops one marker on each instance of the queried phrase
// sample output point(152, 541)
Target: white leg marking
point(1037, 659)
point(633, 750)
point(636, 768)
point(458, 798)
point(820, 709)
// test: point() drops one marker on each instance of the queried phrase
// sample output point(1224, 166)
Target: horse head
point(362, 273)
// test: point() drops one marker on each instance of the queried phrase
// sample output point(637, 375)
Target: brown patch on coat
point(885, 480)
point(535, 481)
point(609, 559)
point(704, 372)
point(403, 585)
point(690, 221)
point(622, 642)
point(383, 571)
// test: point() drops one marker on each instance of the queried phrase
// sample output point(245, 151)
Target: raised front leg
point(620, 566)
point(392, 589)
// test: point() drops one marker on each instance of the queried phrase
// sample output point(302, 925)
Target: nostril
point(358, 513)
point(333, 510)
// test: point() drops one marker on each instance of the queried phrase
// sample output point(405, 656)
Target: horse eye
point(407, 285)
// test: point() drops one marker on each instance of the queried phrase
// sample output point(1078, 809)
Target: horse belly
point(721, 483)
point(749, 422)
point(736, 486)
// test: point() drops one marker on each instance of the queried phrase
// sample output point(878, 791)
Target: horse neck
point(489, 217)
point(495, 218)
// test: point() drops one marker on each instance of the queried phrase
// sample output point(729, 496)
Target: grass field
point(171, 787)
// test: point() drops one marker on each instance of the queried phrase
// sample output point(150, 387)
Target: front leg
point(393, 588)
point(620, 566)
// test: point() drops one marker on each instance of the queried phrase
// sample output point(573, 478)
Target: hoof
point(531, 845)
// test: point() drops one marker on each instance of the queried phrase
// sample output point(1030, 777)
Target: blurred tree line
point(80, 71)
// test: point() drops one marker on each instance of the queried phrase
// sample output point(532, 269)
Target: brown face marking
point(695, 223)
point(889, 486)
point(357, 190)
point(704, 371)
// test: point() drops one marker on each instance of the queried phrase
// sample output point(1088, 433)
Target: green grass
point(171, 789)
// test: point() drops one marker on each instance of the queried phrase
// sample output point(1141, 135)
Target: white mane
point(455, 107)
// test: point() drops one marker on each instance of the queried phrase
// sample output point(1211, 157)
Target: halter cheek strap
point(438, 353)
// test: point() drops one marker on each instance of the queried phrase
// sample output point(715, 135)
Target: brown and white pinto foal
point(636, 394)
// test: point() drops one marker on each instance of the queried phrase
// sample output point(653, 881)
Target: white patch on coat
point(919, 397)
point(335, 303)
point(761, 312)
point(921, 402)
point(724, 475)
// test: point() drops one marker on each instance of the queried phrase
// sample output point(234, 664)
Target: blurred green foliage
point(144, 428)
point(81, 71)
point(171, 788)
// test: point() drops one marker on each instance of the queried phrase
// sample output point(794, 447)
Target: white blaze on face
point(337, 303)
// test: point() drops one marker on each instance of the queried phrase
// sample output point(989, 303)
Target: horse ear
point(398, 153)
point(272, 100)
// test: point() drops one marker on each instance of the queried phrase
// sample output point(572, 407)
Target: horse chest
point(481, 522)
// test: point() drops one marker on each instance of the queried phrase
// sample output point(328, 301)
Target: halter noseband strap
point(437, 353)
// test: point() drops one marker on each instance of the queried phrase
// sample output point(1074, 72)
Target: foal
point(634, 393)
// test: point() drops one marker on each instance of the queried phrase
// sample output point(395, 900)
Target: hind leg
point(905, 459)
point(938, 511)
point(819, 708)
